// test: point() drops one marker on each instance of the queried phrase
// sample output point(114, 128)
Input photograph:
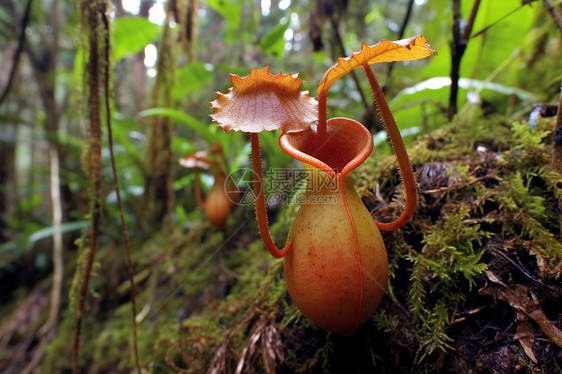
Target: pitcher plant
point(223, 195)
point(335, 260)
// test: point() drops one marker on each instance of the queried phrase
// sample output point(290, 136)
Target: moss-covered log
point(474, 283)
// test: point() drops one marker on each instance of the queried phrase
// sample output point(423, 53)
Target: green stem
point(124, 232)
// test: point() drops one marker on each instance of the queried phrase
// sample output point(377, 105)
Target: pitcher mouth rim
point(358, 158)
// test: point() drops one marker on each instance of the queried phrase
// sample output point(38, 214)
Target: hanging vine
point(91, 11)
point(98, 69)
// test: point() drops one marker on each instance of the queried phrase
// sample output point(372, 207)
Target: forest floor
point(475, 282)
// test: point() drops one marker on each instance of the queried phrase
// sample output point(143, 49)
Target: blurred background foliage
point(512, 61)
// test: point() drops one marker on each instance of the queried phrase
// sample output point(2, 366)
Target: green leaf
point(436, 83)
point(50, 231)
point(320, 57)
point(121, 132)
point(184, 119)
point(131, 35)
point(181, 214)
point(488, 52)
point(6, 21)
point(183, 182)
point(230, 10)
point(273, 43)
point(182, 146)
point(190, 78)
point(30, 203)
point(79, 67)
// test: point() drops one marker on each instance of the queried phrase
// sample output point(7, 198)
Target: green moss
point(210, 300)
point(441, 272)
point(492, 180)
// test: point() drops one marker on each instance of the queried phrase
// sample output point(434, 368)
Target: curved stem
point(401, 155)
point(124, 232)
point(261, 212)
point(198, 196)
point(93, 65)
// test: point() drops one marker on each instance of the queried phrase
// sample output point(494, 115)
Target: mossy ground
point(486, 225)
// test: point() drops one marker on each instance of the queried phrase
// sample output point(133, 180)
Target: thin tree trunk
point(54, 161)
point(17, 54)
point(458, 47)
point(45, 75)
point(92, 23)
point(46, 80)
point(159, 191)
point(457, 50)
point(7, 158)
point(139, 70)
point(556, 162)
